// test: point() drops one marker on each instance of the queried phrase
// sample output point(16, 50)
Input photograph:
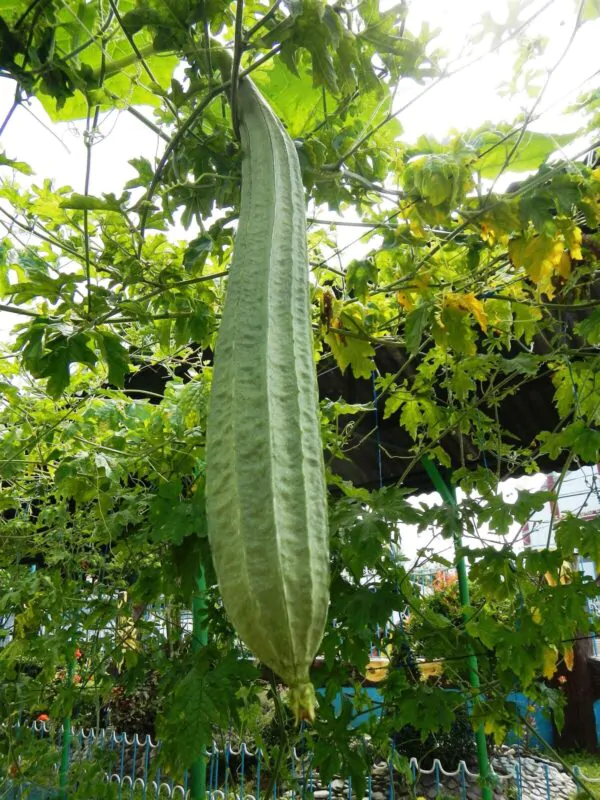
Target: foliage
point(449, 747)
point(479, 292)
point(588, 766)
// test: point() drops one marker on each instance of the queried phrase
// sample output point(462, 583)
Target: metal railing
point(240, 772)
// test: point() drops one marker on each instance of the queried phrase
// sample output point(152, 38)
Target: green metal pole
point(199, 640)
point(65, 756)
point(448, 494)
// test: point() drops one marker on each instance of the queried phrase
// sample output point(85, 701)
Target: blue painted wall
point(539, 717)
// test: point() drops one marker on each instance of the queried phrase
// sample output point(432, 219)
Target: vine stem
point(393, 114)
point(161, 289)
point(140, 57)
point(283, 740)
point(21, 311)
point(235, 68)
point(530, 114)
point(185, 127)
point(263, 20)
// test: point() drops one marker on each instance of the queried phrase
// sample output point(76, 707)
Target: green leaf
point(115, 355)
point(540, 210)
point(125, 84)
point(531, 152)
point(584, 441)
point(32, 343)
point(79, 349)
point(292, 96)
point(523, 363)
point(358, 277)
point(579, 437)
point(55, 366)
point(354, 350)
point(197, 252)
point(589, 327)
point(19, 166)
point(201, 323)
point(174, 517)
point(453, 329)
point(49, 355)
point(582, 536)
point(416, 324)
point(350, 352)
point(411, 417)
point(81, 202)
point(526, 320)
point(144, 170)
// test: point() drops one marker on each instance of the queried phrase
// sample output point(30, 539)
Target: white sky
point(464, 101)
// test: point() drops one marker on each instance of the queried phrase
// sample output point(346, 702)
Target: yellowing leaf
point(468, 302)
point(499, 222)
point(495, 728)
point(406, 300)
point(352, 349)
point(550, 579)
point(564, 266)
point(423, 279)
point(569, 658)
point(573, 239)
point(541, 257)
point(536, 616)
point(550, 659)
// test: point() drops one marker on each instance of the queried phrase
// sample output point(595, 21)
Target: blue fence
point(128, 769)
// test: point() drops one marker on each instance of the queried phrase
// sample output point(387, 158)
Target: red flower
point(43, 718)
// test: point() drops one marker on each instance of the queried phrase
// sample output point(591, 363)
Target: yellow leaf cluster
point(498, 223)
point(546, 257)
point(469, 303)
point(408, 299)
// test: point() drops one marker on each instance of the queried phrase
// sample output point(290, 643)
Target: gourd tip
point(303, 701)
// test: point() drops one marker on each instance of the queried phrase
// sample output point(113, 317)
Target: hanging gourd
point(265, 480)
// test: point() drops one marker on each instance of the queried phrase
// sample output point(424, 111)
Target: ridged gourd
point(265, 478)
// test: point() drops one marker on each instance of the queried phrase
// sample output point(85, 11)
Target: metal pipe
point(448, 494)
point(199, 640)
point(65, 755)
